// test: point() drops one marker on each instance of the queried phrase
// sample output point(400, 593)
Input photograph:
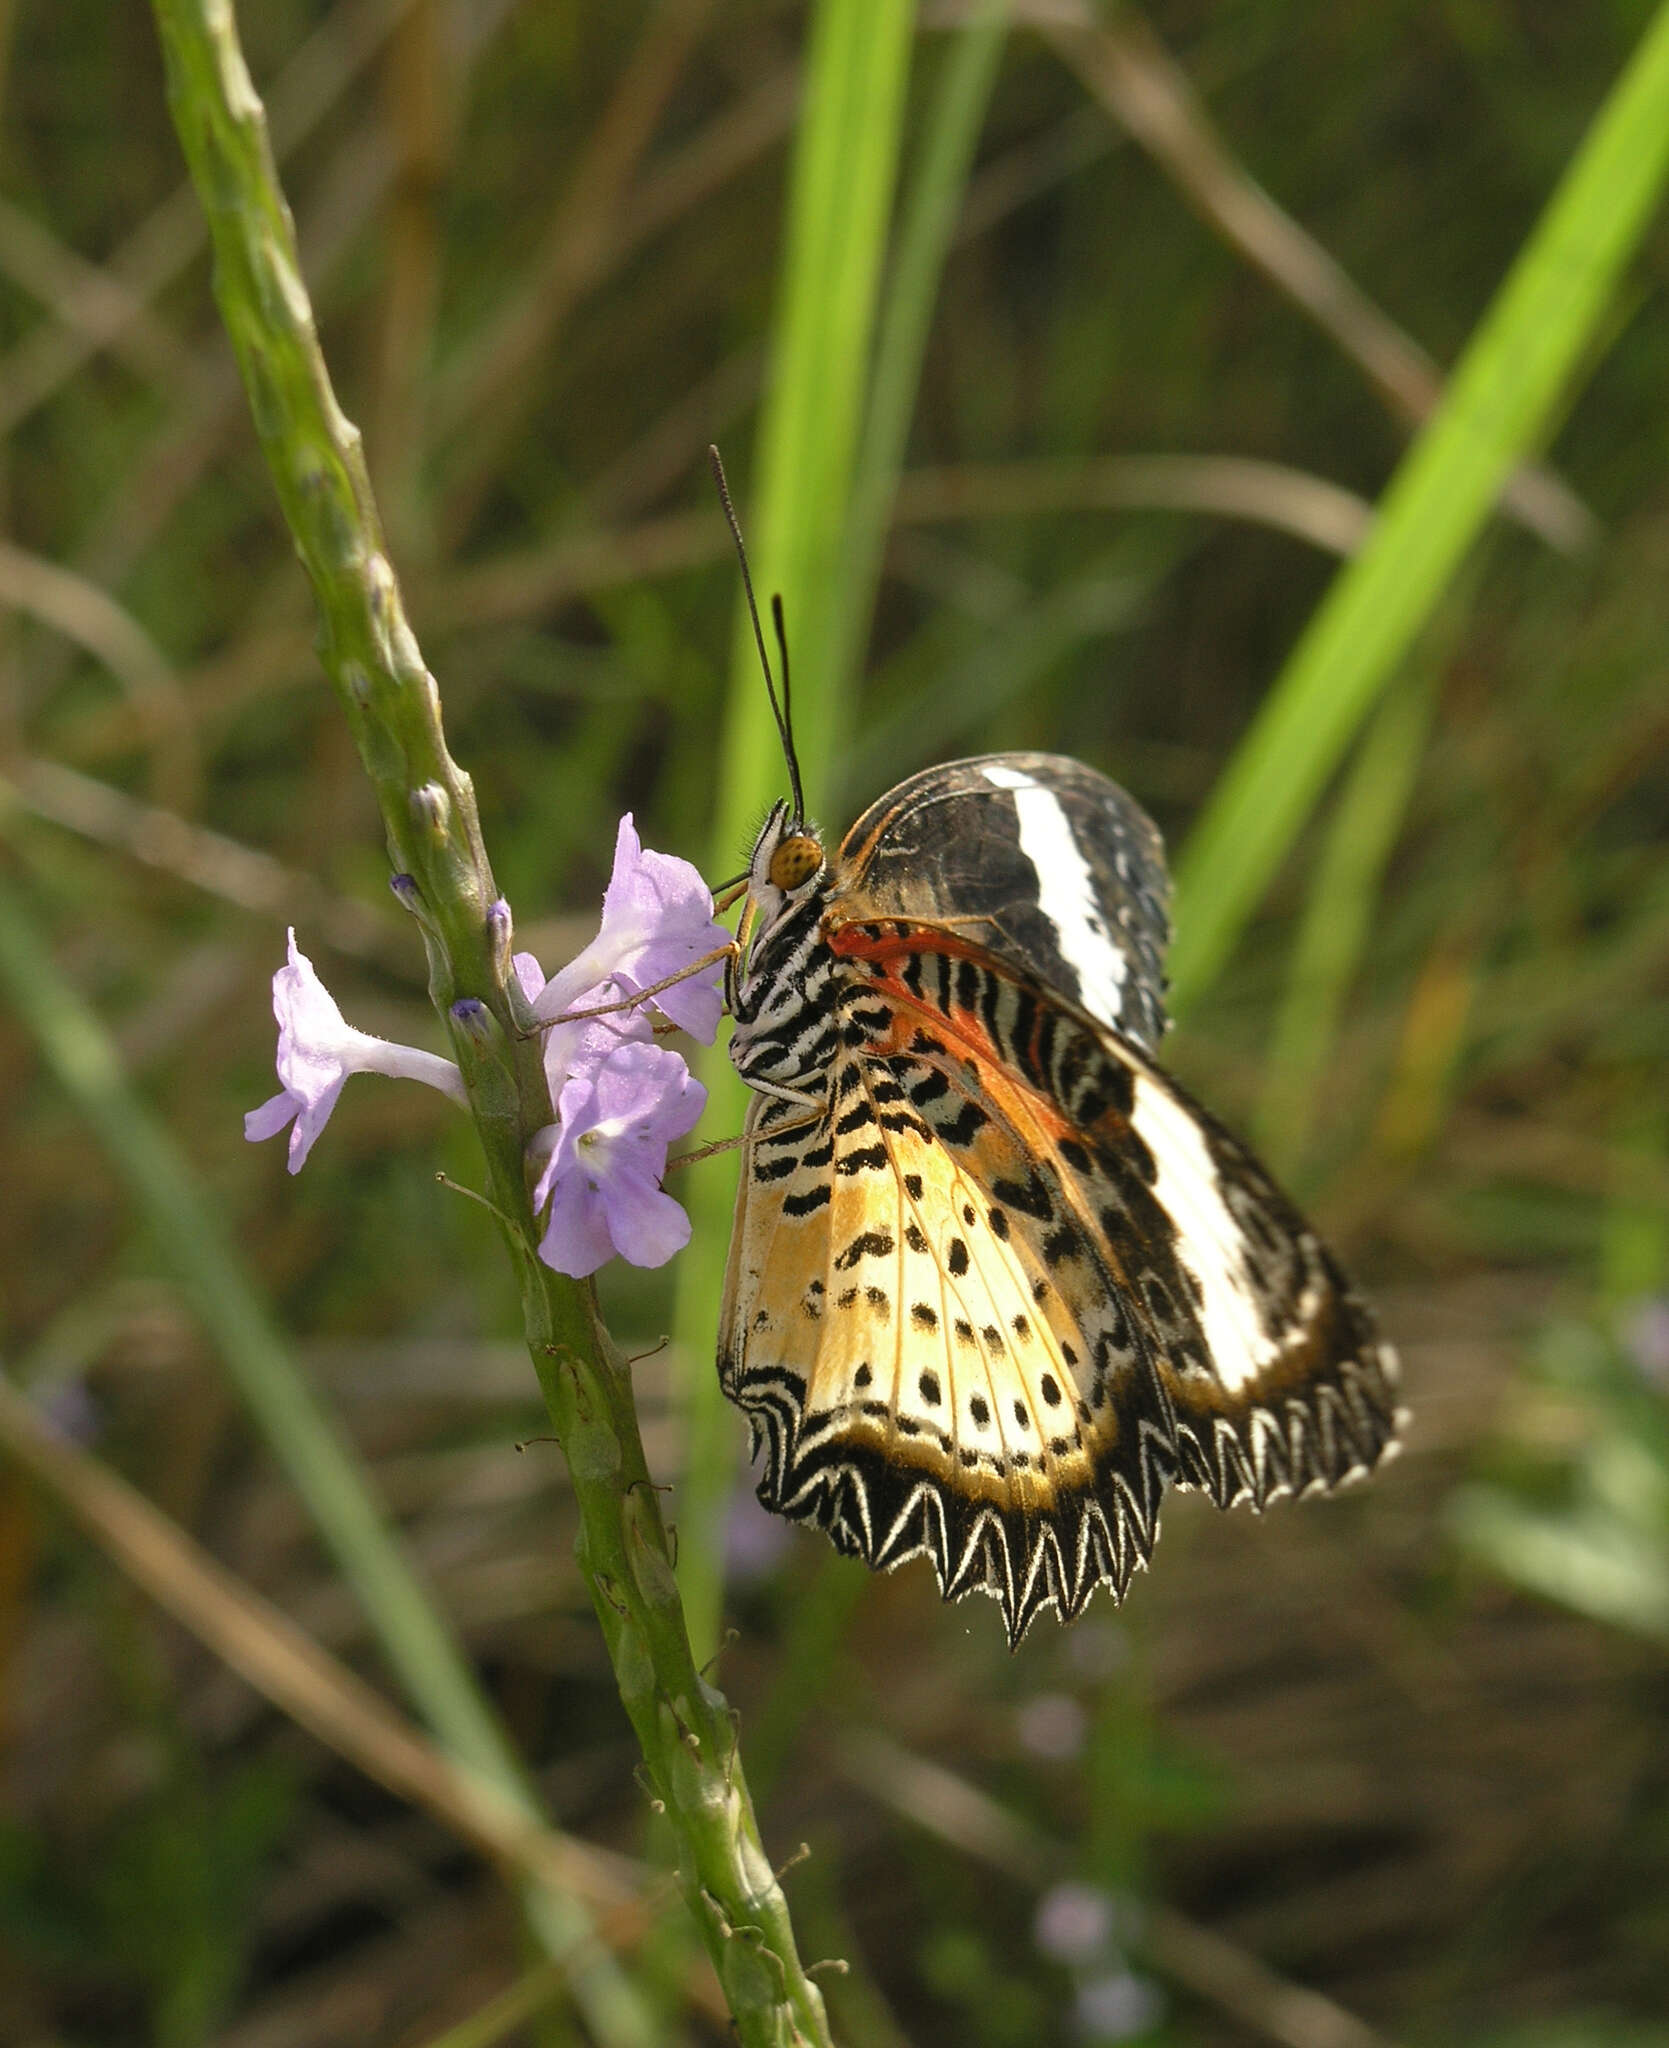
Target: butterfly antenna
point(758, 633)
point(788, 713)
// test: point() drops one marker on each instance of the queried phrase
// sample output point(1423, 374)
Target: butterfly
point(995, 1279)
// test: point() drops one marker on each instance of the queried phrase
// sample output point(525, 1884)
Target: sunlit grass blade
point(1500, 401)
point(933, 198)
point(840, 203)
point(1588, 1557)
point(798, 517)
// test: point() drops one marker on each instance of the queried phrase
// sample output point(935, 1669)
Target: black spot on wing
point(965, 1126)
point(862, 1159)
point(776, 1169)
point(1031, 1197)
point(868, 1244)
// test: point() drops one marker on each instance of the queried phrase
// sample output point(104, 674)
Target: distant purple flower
point(69, 1410)
point(657, 920)
point(1645, 1338)
point(1117, 2006)
point(603, 1177)
point(318, 1050)
point(1074, 1922)
point(1052, 1725)
point(755, 1541)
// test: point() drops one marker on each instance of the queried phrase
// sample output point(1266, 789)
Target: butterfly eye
point(796, 859)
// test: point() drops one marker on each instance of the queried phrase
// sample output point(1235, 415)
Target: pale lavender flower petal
point(657, 920)
point(529, 974)
point(317, 1051)
point(602, 1179)
point(584, 1043)
point(647, 1225)
point(270, 1118)
point(576, 1239)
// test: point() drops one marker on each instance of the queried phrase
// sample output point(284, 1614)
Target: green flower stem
point(428, 809)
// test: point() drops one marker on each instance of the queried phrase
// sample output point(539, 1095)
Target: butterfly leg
point(741, 1138)
point(726, 953)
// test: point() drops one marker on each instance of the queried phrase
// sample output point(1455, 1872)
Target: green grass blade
point(839, 207)
point(1501, 399)
point(950, 136)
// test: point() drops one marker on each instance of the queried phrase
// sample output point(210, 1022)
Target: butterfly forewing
point(995, 1279)
point(1049, 866)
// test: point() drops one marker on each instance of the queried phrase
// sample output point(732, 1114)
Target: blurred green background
point(1392, 1767)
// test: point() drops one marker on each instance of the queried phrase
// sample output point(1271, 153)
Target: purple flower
point(582, 1044)
point(1117, 2006)
point(620, 1098)
point(1074, 1923)
point(657, 921)
point(318, 1050)
point(603, 1177)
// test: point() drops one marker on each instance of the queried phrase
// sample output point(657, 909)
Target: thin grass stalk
point(315, 1456)
point(839, 205)
point(1634, 1229)
point(272, 1654)
point(682, 1724)
point(1520, 364)
point(1333, 936)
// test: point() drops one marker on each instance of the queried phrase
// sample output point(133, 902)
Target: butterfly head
point(788, 862)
